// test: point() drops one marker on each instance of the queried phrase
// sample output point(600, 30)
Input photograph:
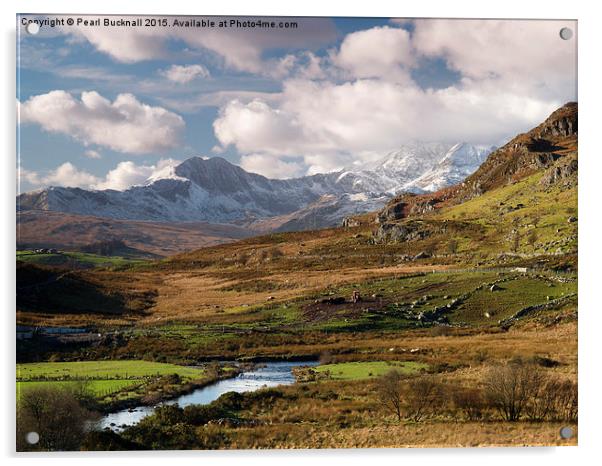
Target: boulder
point(422, 255)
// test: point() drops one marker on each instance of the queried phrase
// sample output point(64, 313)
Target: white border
point(590, 199)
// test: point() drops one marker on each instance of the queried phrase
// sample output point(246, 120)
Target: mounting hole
point(32, 438)
point(566, 33)
point(32, 28)
point(567, 432)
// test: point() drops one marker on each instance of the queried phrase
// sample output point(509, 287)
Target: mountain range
point(216, 191)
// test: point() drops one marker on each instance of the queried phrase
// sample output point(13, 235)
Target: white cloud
point(92, 154)
point(216, 99)
point(513, 74)
point(185, 73)
point(382, 52)
point(127, 45)
point(123, 176)
point(256, 125)
point(304, 64)
point(335, 125)
point(124, 125)
point(64, 175)
point(270, 166)
point(240, 48)
point(525, 56)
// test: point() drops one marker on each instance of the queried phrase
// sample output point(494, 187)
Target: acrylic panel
point(295, 232)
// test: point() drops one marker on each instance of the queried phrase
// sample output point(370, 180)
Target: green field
point(365, 370)
point(102, 378)
point(101, 370)
point(75, 259)
point(99, 388)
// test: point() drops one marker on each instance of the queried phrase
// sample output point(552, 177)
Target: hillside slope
point(524, 155)
point(47, 229)
point(522, 201)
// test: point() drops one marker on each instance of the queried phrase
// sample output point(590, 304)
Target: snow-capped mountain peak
point(215, 190)
point(168, 172)
point(460, 161)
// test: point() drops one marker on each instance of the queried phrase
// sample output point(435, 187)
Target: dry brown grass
point(423, 435)
point(197, 295)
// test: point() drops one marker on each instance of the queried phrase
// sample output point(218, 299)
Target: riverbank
point(112, 385)
point(248, 379)
point(170, 394)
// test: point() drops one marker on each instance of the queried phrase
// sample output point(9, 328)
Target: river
point(269, 374)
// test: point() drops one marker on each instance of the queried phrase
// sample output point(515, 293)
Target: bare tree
point(509, 388)
point(567, 401)
point(543, 400)
point(390, 392)
point(424, 394)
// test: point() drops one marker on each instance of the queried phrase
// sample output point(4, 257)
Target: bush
point(412, 398)
point(107, 440)
point(423, 396)
point(521, 389)
point(199, 415)
point(56, 415)
point(470, 402)
point(510, 388)
point(391, 392)
point(566, 403)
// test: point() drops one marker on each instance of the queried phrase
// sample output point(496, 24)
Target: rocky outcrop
point(401, 232)
point(406, 205)
point(350, 222)
point(395, 209)
point(564, 173)
point(563, 122)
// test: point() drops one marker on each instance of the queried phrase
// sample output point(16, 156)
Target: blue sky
point(333, 93)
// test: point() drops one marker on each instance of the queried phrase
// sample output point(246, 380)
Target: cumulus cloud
point(512, 75)
point(92, 154)
point(64, 175)
point(383, 52)
point(125, 175)
point(257, 125)
point(334, 125)
point(191, 104)
point(124, 125)
point(272, 167)
point(185, 73)
point(239, 48)
point(523, 56)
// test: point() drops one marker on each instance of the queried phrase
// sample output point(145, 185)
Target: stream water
point(270, 374)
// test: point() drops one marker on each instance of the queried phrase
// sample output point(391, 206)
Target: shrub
point(423, 396)
point(542, 403)
point(470, 402)
point(199, 415)
point(107, 440)
point(391, 392)
point(566, 403)
point(511, 387)
point(56, 415)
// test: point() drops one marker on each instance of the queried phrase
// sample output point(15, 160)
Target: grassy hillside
point(75, 260)
point(48, 229)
